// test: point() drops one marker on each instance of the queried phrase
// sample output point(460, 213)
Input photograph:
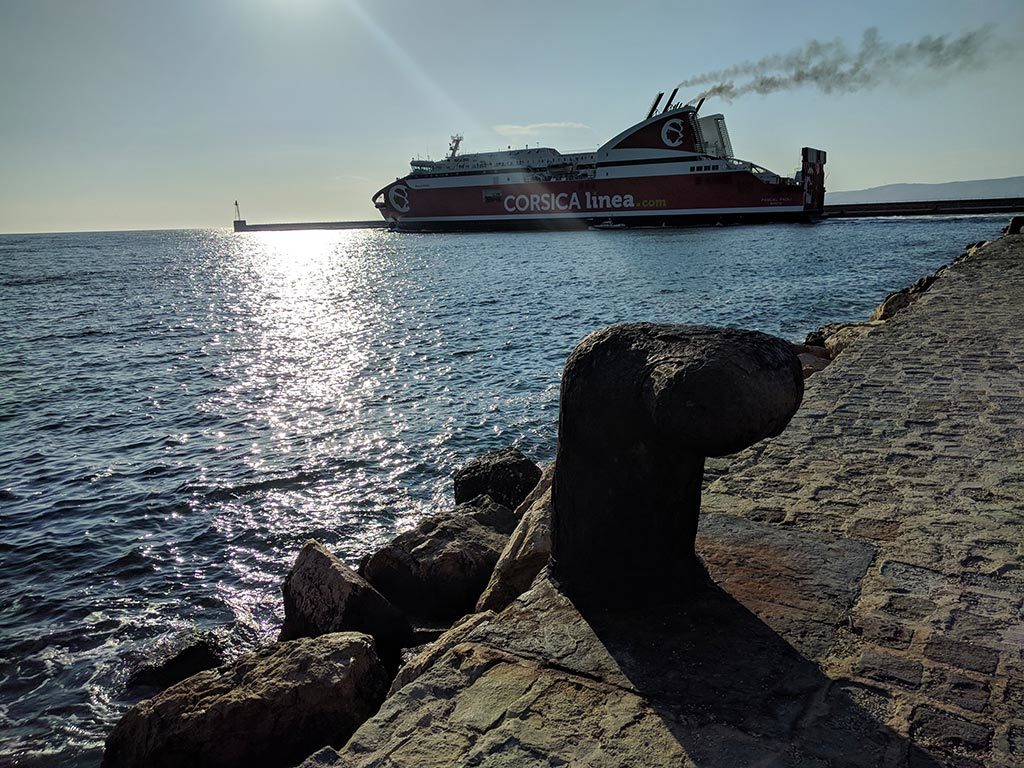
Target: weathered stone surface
point(642, 405)
point(944, 729)
point(835, 337)
point(697, 683)
point(440, 567)
point(800, 583)
point(323, 595)
point(846, 334)
point(527, 551)
point(431, 652)
point(812, 358)
point(964, 655)
point(959, 689)
point(1016, 732)
point(490, 514)
point(506, 475)
point(269, 708)
point(900, 300)
point(811, 364)
point(194, 653)
point(883, 631)
point(887, 668)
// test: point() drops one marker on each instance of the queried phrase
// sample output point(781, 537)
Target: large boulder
point(323, 595)
point(270, 708)
point(187, 655)
point(505, 475)
point(527, 551)
point(642, 405)
point(439, 568)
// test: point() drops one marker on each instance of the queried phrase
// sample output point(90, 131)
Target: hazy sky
point(134, 114)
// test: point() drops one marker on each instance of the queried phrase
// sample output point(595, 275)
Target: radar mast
point(453, 146)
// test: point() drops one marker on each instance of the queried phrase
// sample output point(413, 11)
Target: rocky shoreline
point(643, 407)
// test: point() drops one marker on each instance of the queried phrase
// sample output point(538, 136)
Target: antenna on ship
point(668, 104)
point(453, 147)
point(654, 104)
point(238, 215)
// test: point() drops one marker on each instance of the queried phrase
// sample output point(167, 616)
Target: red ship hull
point(638, 201)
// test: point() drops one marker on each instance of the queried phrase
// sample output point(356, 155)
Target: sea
point(181, 410)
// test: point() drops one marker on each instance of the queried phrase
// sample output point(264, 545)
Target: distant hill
point(952, 190)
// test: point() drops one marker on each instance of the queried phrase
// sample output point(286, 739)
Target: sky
point(139, 114)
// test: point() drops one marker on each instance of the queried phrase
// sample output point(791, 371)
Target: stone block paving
point(912, 442)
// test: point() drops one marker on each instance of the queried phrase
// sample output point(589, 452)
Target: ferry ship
point(673, 168)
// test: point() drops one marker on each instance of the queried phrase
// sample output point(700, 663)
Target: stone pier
point(865, 600)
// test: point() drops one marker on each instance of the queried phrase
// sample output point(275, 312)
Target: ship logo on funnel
point(672, 133)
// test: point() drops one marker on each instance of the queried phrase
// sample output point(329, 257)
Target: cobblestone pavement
point(912, 441)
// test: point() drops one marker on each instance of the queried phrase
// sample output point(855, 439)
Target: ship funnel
point(654, 104)
point(668, 104)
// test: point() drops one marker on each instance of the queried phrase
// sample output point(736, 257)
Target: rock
point(440, 567)
point(1015, 226)
point(490, 514)
point(835, 337)
point(431, 652)
point(847, 333)
point(811, 363)
point(900, 300)
point(196, 653)
point(810, 349)
point(527, 551)
point(269, 708)
point(642, 405)
point(815, 338)
point(505, 475)
point(323, 595)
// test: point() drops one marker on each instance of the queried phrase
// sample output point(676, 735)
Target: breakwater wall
point(241, 225)
point(926, 208)
point(858, 210)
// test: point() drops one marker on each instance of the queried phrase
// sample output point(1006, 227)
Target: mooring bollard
point(642, 405)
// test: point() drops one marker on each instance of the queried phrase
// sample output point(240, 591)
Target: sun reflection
point(300, 373)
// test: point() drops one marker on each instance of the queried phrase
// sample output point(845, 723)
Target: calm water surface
point(179, 411)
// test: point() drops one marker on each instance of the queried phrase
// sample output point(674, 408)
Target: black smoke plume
point(831, 67)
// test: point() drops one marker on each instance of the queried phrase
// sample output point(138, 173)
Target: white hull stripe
point(610, 214)
point(508, 179)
